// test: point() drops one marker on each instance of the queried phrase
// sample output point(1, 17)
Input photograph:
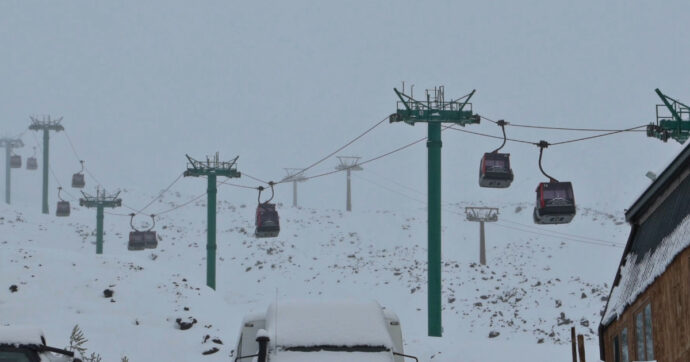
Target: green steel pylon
point(435, 111)
point(676, 125)
point(211, 169)
point(100, 201)
point(9, 144)
point(46, 125)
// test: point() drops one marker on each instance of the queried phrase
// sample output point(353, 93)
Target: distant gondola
point(267, 221)
point(494, 168)
point(78, 180)
point(140, 240)
point(15, 161)
point(31, 162)
point(63, 207)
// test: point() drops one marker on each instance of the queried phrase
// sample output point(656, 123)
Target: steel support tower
point(100, 201)
point(211, 169)
point(294, 175)
point(348, 163)
point(434, 112)
point(46, 125)
point(9, 144)
point(672, 120)
point(481, 215)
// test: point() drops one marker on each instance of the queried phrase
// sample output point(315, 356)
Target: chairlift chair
point(555, 200)
point(78, 180)
point(267, 219)
point(494, 168)
point(15, 161)
point(63, 207)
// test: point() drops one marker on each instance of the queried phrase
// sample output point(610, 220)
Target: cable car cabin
point(15, 161)
point(31, 163)
point(63, 209)
point(267, 221)
point(78, 181)
point(495, 171)
point(555, 203)
point(140, 240)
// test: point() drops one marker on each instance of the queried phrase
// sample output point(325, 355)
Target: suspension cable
point(339, 149)
point(634, 129)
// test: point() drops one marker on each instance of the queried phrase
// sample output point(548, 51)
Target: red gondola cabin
point(267, 221)
point(555, 203)
point(495, 171)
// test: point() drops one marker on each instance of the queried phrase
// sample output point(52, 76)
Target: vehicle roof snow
point(331, 323)
point(17, 335)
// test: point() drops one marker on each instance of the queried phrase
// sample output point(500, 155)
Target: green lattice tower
point(100, 201)
point(434, 112)
point(46, 125)
point(9, 144)
point(675, 125)
point(211, 169)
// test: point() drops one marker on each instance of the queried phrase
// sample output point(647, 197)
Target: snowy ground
point(537, 284)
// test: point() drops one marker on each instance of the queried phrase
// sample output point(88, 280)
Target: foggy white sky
point(281, 84)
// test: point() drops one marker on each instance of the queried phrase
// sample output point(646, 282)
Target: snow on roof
point(637, 275)
point(324, 356)
point(334, 323)
point(660, 171)
point(20, 335)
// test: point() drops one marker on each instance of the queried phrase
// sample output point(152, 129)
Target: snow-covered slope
point(536, 285)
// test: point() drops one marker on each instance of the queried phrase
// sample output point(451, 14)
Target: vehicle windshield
point(17, 356)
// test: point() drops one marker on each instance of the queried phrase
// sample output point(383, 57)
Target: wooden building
point(647, 316)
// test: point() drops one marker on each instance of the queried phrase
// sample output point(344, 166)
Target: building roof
point(660, 231)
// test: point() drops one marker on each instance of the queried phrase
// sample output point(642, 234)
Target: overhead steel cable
point(595, 136)
point(492, 136)
point(635, 129)
point(160, 195)
point(338, 150)
point(609, 244)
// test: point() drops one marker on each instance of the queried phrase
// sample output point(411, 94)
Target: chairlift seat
point(78, 181)
point(267, 221)
point(15, 161)
point(495, 171)
point(555, 203)
point(63, 209)
point(31, 163)
point(137, 240)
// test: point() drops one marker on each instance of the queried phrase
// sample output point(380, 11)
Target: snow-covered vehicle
point(338, 331)
point(23, 344)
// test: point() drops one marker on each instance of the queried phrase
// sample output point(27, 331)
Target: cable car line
point(339, 149)
point(600, 135)
point(567, 128)
point(160, 195)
